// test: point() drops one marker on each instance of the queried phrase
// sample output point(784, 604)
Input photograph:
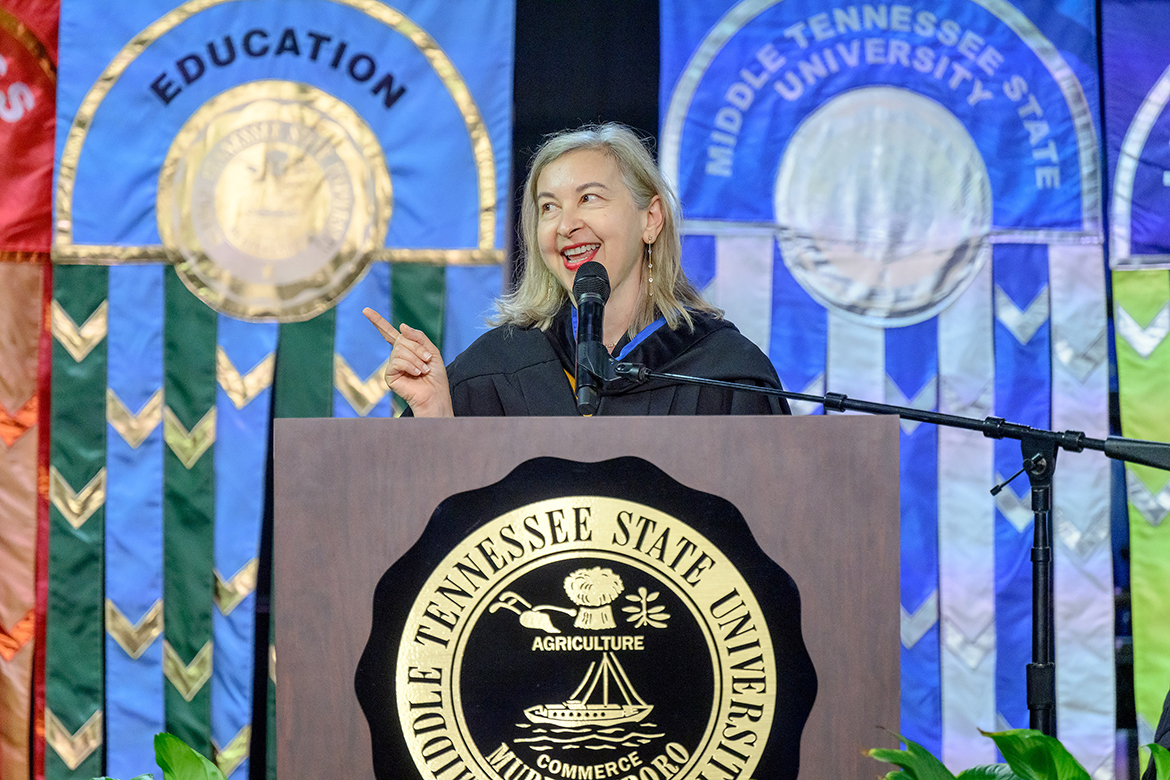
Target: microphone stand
point(1039, 448)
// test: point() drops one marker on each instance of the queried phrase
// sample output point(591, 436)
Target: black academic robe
point(1161, 736)
point(511, 371)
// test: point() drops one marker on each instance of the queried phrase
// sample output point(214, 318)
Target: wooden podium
point(820, 494)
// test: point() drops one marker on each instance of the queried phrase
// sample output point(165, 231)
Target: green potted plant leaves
point(1030, 755)
point(179, 762)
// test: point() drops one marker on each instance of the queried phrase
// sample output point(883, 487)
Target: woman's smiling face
point(586, 212)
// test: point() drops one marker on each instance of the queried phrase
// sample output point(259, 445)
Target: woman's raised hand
point(415, 371)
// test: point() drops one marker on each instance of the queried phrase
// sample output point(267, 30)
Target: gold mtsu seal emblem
point(585, 635)
point(272, 197)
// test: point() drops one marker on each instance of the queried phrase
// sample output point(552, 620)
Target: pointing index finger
point(384, 327)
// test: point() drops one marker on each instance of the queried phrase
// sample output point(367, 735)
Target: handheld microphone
point(590, 292)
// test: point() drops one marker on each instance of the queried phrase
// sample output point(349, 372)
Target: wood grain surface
point(820, 494)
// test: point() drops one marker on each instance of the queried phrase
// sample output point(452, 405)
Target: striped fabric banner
point(1084, 560)
point(134, 610)
point(966, 529)
point(284, 174)
point(1023, 394)
point(28, 82)
point(20, 329)
point(914, 382)
point(245, 361)
point(1137, 93)
point(920, 192)
point(1141, 301)
point(471, 294)
point(75, 691)
point(188, 508)
point(360, 356)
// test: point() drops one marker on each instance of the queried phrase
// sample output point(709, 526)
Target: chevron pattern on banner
point(80, 341)
point(1137, 98)
point(16, 424)
point(972, 650)
point(77, 507)
point(188, 362)
point(926, 399)
point(134, 427)
point(1154, 507)
point(803, 137)
point(73, 748)
point(1085, 541)
point(240, 467)
point(1021, 323)
point(75, 627)
point(230, 756)
point(189, 394)
point(1016, 509)
point(242, 389)
point(135, 456)
point(916, 624)
point(134, 638)
point(361, 394)
point(188, 679)
point(230, 592)
point(1081, 360)
point(188, 446)
point(1144, 339)
point(15, 637)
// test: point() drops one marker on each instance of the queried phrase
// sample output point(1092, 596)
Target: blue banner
point(285, 157)
point(919, 187)
point(273, 149)
point(1138, 132)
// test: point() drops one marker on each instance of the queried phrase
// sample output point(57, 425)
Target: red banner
point(28, 86)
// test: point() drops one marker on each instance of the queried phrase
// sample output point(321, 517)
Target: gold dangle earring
point(650, 269)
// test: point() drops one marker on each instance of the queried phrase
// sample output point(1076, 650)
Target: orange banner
point(20, 331)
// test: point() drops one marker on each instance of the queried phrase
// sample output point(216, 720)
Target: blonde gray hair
point(539, 296)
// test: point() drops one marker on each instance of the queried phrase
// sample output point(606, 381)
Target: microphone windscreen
point(591, 278)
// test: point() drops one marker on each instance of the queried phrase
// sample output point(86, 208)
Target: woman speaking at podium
point(591, 194)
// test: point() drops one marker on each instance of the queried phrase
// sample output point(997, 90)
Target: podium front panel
point(820, 495)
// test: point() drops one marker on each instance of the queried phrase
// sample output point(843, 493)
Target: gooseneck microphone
point(590, 292)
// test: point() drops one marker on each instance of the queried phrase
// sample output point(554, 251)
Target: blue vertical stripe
point(800, 331)
point(241, 462)
point(358, 342)
point(1023, 390)
point(912, 368)
point(134, 519)
point(698, 259)
point(471, 293)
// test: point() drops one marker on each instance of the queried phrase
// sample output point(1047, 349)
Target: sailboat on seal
point(604, 698)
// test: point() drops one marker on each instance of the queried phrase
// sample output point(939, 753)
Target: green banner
point(1141, 302)
point(304, 368)
point(77, 493)
point(188, 513)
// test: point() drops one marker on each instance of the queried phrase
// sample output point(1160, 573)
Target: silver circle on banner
point(885, 206)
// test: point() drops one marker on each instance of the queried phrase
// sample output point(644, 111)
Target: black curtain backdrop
point(577, 62)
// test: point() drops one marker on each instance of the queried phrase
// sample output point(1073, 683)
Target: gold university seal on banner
point(271, 199)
